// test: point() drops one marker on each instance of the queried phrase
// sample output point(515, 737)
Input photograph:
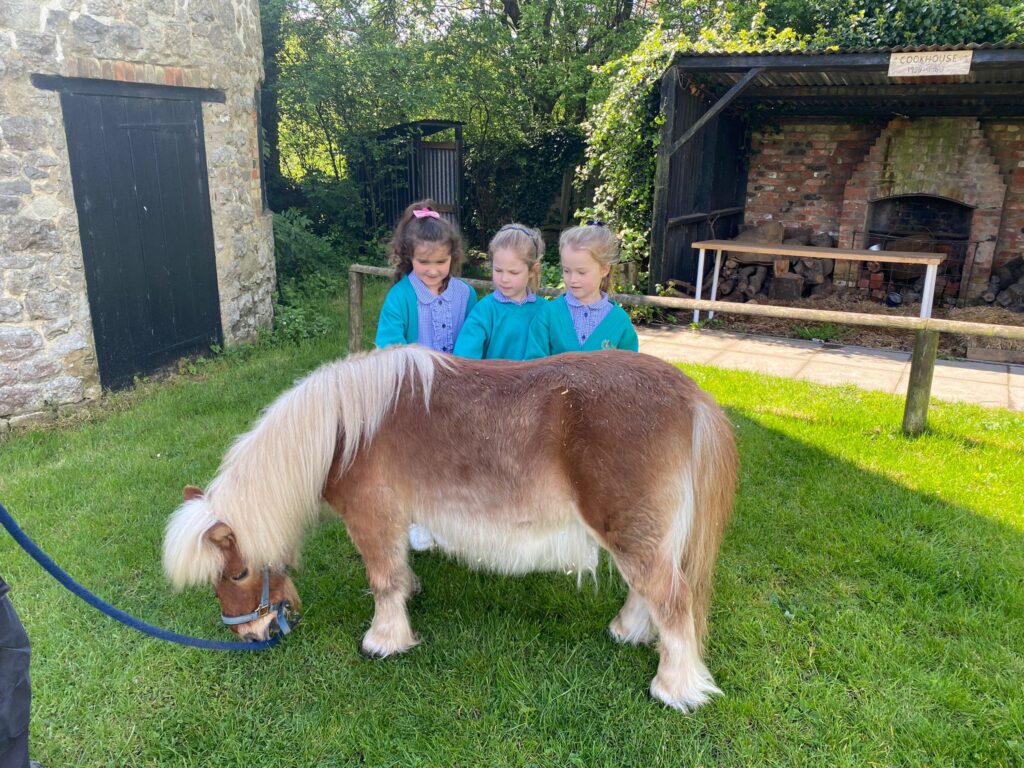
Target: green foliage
point(517, 74)
point(300, 252)
point(297, 322)
point(309, 269)
point(820, 331)
point(516, 180)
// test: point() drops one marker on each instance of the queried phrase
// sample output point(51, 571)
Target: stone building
point(918, 149)
point(133, 227)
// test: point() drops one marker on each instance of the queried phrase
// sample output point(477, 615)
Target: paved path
point(991, 384)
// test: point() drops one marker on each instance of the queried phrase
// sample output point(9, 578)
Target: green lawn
point(869, 606)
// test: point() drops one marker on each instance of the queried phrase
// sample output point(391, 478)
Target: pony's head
point(199, 548)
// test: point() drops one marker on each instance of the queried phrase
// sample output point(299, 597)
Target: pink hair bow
point(426, 213)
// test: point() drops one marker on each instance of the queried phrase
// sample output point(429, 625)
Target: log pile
point(1006, 286)
point(757, 277)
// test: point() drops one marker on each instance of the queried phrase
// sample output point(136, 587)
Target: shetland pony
point(513, 466)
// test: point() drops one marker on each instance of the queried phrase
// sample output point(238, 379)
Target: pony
point(513, 466)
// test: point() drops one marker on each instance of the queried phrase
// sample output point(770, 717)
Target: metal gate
point(439, 175)
point(138, 166)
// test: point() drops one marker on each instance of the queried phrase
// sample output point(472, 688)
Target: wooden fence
point(922, 361)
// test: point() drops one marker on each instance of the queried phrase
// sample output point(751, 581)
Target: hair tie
point(426, 213)
point(536, 248)
point(517, 229)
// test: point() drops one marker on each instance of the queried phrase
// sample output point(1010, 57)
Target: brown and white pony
point(513, 466)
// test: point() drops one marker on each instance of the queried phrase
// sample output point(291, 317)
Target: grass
point(820, 331)
point(869, 606)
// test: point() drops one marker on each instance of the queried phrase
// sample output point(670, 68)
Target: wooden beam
point(915, 92)
point(812, 252)
point(726, 99)
point(827, 61)
point(767, 310)
point(694, 218)
point(906, 108)
point(662, 174)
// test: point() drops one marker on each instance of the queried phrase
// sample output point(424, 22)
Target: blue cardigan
point(399, 317)
point(552, 332)
point(496, 330)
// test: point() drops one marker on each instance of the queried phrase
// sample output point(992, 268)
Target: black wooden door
point(139, 172)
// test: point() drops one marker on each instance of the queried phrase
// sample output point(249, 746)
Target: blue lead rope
point(162, 634)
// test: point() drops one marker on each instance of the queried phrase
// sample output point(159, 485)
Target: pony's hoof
point(380, 647)
point(683, 697)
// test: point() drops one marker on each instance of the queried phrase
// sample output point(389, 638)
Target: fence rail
point(922, 361)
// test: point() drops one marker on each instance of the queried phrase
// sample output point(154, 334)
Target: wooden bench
point(930, 261)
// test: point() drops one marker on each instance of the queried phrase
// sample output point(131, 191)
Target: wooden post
point(662, 178)
point(355, 311)
point(919, 388)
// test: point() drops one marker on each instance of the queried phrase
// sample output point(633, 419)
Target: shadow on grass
point(855, 621)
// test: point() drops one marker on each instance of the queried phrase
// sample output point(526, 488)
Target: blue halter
point(285, 620)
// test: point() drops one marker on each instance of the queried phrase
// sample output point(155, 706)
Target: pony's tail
point(714, 469)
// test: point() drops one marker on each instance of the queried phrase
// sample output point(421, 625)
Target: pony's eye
point(242, 575)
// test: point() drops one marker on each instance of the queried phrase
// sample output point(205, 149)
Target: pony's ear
point(220, 535)
point(192, 492)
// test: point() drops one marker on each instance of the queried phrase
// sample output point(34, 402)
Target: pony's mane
point(270, 482)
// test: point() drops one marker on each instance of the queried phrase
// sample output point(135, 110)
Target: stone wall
point(47, 354)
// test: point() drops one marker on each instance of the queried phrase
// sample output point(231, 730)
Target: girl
point(425, 305)
point(499, 325)
point(583, 319)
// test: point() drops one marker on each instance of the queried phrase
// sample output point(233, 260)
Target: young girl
point(498, 327)
point(583, 319)
point(425, 305)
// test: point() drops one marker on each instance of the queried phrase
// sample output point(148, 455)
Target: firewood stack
point(756, 277)
point(1006, 286)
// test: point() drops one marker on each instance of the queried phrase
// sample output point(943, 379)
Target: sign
point(930, 63)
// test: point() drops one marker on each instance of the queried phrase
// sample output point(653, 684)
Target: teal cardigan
point(399, 321)
point(552, 332)
point(497, 330)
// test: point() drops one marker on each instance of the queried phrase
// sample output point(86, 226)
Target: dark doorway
point(138, 166)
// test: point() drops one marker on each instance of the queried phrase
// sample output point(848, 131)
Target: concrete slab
point(861, 359)
point(990, 384)
point(680, 353)
point(966, 391)
point(1016, 399)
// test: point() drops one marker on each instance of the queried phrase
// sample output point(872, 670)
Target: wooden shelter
point(814, 140)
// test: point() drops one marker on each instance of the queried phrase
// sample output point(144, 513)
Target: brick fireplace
point(954, 185)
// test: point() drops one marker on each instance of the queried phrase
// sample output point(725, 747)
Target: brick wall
point(1006, 138)
point(940, 156)
point(798, 171)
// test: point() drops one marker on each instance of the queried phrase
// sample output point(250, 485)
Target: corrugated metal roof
point(842, 51)
point(857, 80)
